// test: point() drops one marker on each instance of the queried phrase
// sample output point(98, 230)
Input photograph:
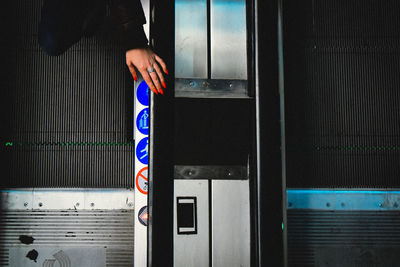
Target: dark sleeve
point(128, 16)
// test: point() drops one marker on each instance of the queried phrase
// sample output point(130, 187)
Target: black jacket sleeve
point(128, 16)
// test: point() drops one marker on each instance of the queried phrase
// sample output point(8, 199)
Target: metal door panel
point(230, 223)
point(228, 39)
point(192, 250)
point(191, 39)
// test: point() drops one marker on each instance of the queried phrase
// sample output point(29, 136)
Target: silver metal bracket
point(210, 88)
point(211, 172)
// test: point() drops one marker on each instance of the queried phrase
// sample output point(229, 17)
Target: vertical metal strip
point(209, 40)
point(269, 135)
point(141, 173)
point(142, 125)
point(258, 152)
point(210, 220)
point(161, 182)
point(283, 134)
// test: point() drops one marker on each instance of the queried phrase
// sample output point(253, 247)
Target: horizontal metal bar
point(66, 198)
point(322, 199)
point(211, 172)
point(211, 88)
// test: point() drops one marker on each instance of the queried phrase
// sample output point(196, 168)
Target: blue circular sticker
point(142, 121)
point(142, 151)
point(143, 93)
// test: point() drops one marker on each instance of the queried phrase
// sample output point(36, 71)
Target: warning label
point(143, 216)
point(142, 180)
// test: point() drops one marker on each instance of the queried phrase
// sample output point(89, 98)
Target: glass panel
point(228, 39)
point(191, 39)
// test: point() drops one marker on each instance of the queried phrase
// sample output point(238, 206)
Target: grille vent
point(341, 62)
point(109, 231)
point(81, 97)
point(344, 238)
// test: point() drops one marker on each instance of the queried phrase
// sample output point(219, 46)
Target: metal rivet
point(191, 84)
point(328, 204)
point(40, 204)
point(380, 205)
point(230, 85)
point(342, 204)
point(77, 204)
point(92, 204)
point(130, 204)
point(395, 205)
point(26, 204)
point(290, 204)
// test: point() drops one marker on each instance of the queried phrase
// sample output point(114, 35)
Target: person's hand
point(148, 64)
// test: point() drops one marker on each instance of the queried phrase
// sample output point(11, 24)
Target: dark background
point(342, 66)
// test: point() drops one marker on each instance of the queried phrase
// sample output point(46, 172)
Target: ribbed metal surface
point(117, 258)
point(4, 257)
point(71, 167)
point(110, 230)
point(82, 96)
point(342, 65)
point(312, 234)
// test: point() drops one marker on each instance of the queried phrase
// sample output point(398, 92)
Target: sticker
point(60, 257)
point(143, 93)
point(142, 151)
point(142, 181)
point(142, 121)
point(143, 216)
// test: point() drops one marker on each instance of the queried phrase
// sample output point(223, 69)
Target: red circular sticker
point(142, 181)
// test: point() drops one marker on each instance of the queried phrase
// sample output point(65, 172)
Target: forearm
point(128, 17)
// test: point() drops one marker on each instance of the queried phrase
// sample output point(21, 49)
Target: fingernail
point(166, 71)
point(163, 84)
point(134, 77)
point(161, 91)
point(155, 91)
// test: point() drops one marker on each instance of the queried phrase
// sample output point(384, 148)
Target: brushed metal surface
point(228, 39)
point(67, 199)
point(191, 39)
point(99, 233)
point(192, 250)
point(210, 88)
point(68, 227)
point(230, 224)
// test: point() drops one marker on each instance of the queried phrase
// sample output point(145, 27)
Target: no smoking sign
point(142, 180)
